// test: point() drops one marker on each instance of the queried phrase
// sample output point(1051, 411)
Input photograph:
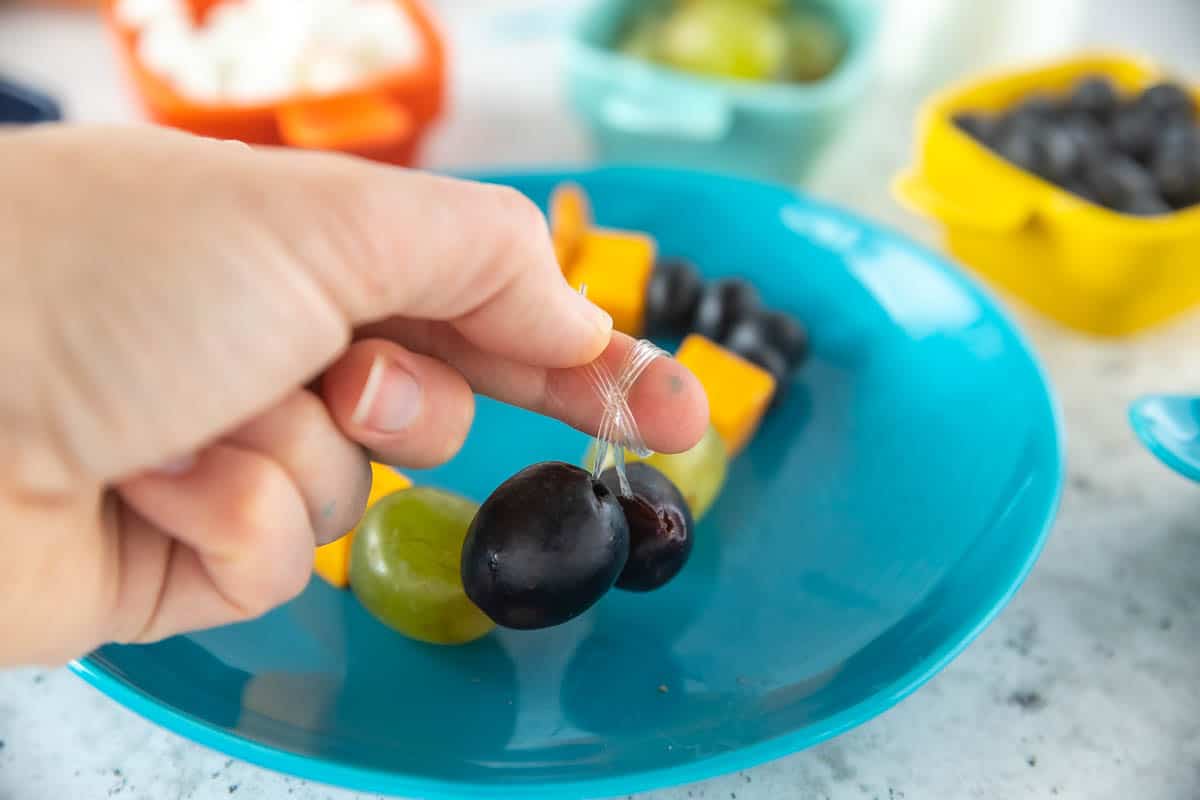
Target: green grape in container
point(724, 38)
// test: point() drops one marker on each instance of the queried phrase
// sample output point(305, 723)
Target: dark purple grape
point(768, 358)
point(544, 547)
point(722, 305)
point(660, 527)
point(787, 336)
point(771, 329)
point(1095, 96)
point(671, 296)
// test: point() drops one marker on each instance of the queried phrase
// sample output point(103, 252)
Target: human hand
point(202, 342)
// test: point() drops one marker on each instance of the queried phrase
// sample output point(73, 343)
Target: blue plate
point(883, 515)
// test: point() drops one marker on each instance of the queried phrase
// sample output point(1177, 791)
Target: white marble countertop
point(1085, 687)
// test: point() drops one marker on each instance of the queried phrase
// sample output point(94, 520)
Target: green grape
point(766, 5)
point(699, 473)
point(724, 38)
point(642, 39)
point(404, 566)
point(815, 46)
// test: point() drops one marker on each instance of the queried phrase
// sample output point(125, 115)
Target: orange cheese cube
point(570, 218)
point(616, 266)
point(738, 392)
point(332, 561)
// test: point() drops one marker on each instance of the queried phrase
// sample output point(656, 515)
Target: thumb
point(201, 282)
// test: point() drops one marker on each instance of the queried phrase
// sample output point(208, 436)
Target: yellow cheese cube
point(616, 267)
point(332, 561)
point(738, 392)
point(570, 218)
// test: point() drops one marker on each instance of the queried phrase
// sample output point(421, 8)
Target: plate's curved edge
point(1153, 444)
point(362, 779)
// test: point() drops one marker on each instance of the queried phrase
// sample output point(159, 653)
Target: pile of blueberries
point(729, 312)
point(1135, 155)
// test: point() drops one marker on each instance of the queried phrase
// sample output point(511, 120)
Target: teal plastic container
point(643, 113)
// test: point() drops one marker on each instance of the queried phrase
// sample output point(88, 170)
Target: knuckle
point(257, 505)
point(291, 582)
point(520, 240)
point(309, 417)
point(282, 581)
point(521, 216)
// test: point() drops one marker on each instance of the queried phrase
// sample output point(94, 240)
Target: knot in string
point(618, 429)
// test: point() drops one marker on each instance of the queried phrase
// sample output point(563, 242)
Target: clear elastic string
point(618, 428)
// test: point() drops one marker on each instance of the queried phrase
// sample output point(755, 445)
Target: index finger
point(421, 246)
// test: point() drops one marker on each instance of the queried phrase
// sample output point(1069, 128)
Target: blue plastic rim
point(639, 112)
point(887, 510)
point(1169, 427)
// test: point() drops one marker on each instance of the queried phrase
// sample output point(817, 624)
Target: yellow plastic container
point(1090, 268)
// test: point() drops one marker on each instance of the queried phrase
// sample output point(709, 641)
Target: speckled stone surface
point(1086, 687)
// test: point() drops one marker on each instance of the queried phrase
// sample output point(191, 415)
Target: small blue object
point(21, 105)
point(1169, 426)
point(640, 112)
point(891, 504)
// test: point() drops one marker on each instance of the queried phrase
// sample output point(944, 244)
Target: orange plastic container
point(385, 119)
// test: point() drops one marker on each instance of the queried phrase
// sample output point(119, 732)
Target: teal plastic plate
point(885, 512)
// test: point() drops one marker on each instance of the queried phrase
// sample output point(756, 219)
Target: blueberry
point(671, 296)
point(722, 304)
point(1118, 180)
point(660, 527)
point(1059, 154)
point(978, 126)
point(1035, 108)
point(1179, 142)
point(772, 329)
point(544, 547)
point(1134, 130)
point(1095, 96)
point(1177, 174)
point(1145, 204)
point(1079, 187)
point(1090, 137)
point(1178, 138)
point(1167, 100)
point(1018, 143)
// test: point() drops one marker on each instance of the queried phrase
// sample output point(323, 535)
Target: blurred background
point(822, 94)
point(506, 110)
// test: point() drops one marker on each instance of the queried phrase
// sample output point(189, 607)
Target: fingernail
point(177, 466)
point(390, 400)
point(595, 316)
